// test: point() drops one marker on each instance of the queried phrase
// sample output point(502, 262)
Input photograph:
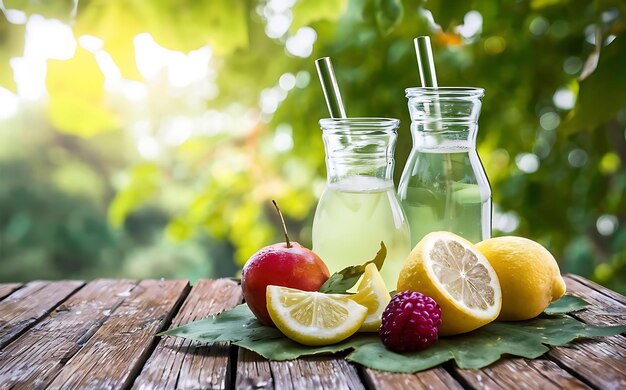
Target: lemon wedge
point(372, 294)
point(314, 318)
point(458, 277)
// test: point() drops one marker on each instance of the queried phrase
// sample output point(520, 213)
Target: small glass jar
point(359, 207)
point(443, 184)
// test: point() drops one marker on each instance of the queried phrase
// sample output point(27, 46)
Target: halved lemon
point(314, 318)
point(454, 273)
point(372, 294)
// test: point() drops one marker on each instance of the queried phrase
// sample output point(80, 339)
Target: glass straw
point(428, 76)
point(425, 61)
point(330, 88)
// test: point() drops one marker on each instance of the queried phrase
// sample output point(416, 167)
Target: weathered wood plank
point(521, 373)
point(36, 357)
point(435, 379)
point(253, 371)
point(8, 288)
point(601, 289)
point(322, 372)
point(117, 351)
point(177, 363)
point(27, 305)
point(600, 362)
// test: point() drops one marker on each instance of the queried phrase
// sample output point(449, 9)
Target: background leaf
point(606, 80)
point(389, 14)
point(77, 100)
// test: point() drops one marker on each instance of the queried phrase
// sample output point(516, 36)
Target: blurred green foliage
point(78, 200)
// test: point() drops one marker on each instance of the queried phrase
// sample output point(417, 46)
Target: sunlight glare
point(148, 148)
point(287, 81)
point(8, 103)
point(472, 25)
point(48, 38)
point(16, 16)
point(301, 44)
point(182, 69)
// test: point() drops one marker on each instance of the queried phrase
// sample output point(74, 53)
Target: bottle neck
point(359, 155)
point(442, 136)
point(444, 119)
point(359, 147)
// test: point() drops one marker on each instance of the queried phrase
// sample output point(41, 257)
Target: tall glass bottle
point(359, 207)
point(444, 185)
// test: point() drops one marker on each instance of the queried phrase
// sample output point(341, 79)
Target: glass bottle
point(359, 207)
point(444, 185)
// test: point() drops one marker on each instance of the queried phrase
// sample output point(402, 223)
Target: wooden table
point(71, 334)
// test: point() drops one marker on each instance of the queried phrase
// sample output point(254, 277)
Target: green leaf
point(342, 281)
point(389, 14)
point(306, 12)
point(144, 182)
point(567, 304)
point(77, 98)
point(606, 81)
point(240, 327)
point(480, 348)
point(529, 339)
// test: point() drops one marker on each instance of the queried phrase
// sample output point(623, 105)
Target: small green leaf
point(342, 281)
point(477, 349)
point(389, 14)
point(567, 304)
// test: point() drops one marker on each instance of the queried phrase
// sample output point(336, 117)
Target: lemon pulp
point(372, 293)
point(314, 318)
point(458, 277)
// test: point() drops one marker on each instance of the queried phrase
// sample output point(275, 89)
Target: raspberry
point(410, 322)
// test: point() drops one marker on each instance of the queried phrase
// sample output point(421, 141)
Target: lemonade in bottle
point(359, 207)
point(444, 185)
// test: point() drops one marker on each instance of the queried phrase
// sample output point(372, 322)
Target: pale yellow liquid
point(353, 216)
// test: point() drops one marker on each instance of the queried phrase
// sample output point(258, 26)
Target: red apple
point(286, 264)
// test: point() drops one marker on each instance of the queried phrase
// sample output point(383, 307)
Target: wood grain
point(117, 351)
point(435, 379)
point(8, 288)
point(596, 287)
point(324, 372)
point(253, 371)
point(177, 363)
point(35, 358)
point(520, 373)
point(27, 305)
point(601, 362)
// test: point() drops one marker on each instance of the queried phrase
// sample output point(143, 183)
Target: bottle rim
point(445, 92)
point(359, 124)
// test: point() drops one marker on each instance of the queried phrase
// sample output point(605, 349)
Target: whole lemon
point(529, 276)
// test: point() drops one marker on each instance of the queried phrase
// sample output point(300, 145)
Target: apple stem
point(283, 221)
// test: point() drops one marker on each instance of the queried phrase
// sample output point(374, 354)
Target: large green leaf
point(306, 12)
point(529, 339)
point(77, 98)
point(176, 25)
point(601, 94)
